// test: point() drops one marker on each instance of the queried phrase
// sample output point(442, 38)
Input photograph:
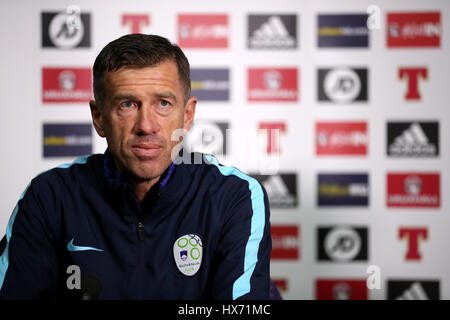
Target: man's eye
point(164, 103)
point(127, 104)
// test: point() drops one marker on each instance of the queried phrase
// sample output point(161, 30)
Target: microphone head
point(91, 286)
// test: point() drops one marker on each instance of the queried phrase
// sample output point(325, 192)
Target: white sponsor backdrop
point(23, 114)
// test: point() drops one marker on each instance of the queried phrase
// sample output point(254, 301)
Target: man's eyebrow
point(129, 96)
point(124, 96)
point(167, 95)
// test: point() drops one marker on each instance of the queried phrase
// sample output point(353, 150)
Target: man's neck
point(140, 189)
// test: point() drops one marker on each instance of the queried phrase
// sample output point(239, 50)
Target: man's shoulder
point(77, 170)
point(59, 183)
point(223, 177)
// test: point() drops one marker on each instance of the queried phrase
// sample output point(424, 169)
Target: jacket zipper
point(140, 230)
point(140, 225)
point(140, 244)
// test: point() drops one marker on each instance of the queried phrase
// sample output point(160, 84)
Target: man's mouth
point(146, 150)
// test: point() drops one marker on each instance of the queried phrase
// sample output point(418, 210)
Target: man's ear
point(97, 118)
point(189, 112)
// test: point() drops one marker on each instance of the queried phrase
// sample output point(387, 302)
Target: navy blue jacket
point(202, 232)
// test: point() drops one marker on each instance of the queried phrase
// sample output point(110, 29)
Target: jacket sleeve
point(242, 263)
point(28, 267)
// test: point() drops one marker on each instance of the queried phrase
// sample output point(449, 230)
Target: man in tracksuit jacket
point(146, 219)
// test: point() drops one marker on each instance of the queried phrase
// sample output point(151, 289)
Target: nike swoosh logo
point(72, 247)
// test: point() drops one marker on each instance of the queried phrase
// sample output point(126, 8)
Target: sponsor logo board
point(285, 242)
point(341, 138)
point(135, 21)
point(413, 289)
point(342, 244)
point(203, 30)
point(58, 32)
point(342, 85)
point(273, 84)
point(413, 189)
point(414, 29)
point(343, 30)
point(341, 289)
point(272, 31)
point(67, 140)
point(413, 139)
point(60, 85)
point(343, 189)
point(207, 137)
point(210, 84)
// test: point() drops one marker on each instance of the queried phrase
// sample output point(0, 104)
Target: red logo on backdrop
point(341, 289)
point(203, 30)
point(66, 85)
point(135, 21)
point(420, 29)
point(279, 84)
point(274, 131)
point(285, 242)
point(412, 76)
point(413, 190)
point(413, 235)
point(341, 138)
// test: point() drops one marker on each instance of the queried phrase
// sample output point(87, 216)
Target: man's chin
point(148, 170)
point(141, 177)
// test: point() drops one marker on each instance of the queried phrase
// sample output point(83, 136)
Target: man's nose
point(146, 121)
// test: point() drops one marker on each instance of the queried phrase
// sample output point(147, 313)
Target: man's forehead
point(166, 69)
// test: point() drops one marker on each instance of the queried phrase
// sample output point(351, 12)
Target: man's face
point(142, 107)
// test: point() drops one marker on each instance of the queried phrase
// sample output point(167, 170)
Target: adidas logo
point(415, 292)
point(278, 192)
point(272, 33)
point(412, 142)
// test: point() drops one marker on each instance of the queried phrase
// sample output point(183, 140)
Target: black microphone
point(91, 286)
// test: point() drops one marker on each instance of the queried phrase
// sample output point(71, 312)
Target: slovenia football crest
point(188, 252)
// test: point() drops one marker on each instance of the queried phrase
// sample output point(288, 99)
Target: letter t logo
point(273, 135)
point(412, 78)
point(413, 235)
point(136, 21)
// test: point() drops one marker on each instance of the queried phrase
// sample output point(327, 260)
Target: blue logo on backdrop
point(343, 30)
point(67, 140)
point(210, 84)
point(343, 190)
